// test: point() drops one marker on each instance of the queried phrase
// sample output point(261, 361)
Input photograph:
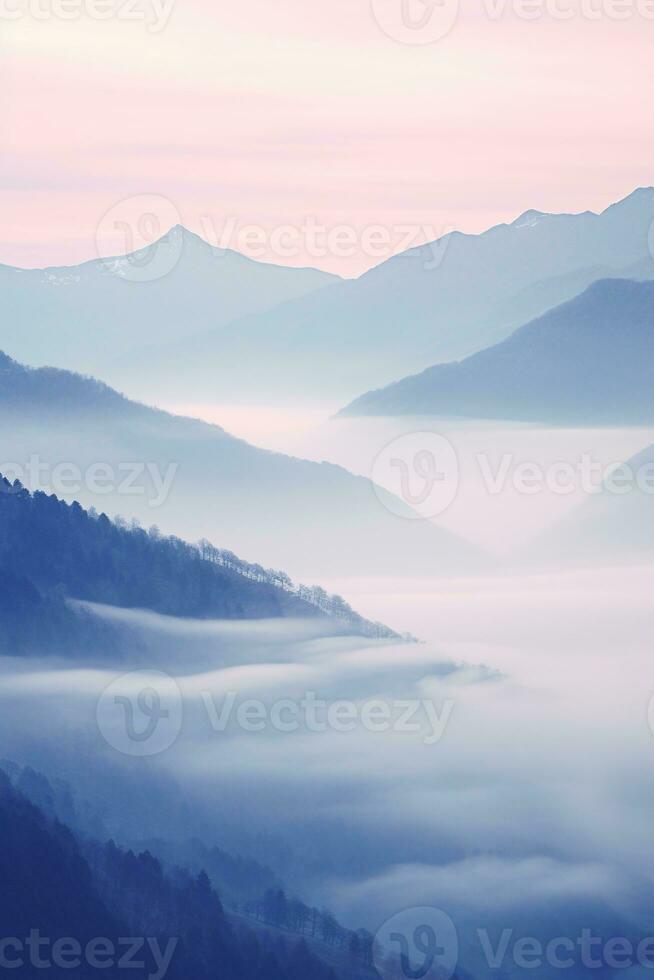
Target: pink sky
point(275, 113)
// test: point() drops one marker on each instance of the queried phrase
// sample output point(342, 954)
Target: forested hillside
point(85, 892)
point(50, 550)
point(251, 895)
point(32, 621)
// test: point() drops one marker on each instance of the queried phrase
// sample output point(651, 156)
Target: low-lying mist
point(499, 771)
point(513, 480)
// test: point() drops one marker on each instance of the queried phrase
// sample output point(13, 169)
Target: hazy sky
point(294, 111)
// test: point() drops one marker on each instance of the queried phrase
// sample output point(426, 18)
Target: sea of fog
point(511, 482)
point(519, 801)
point(500, 770)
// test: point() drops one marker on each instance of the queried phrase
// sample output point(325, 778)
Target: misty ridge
point(107, 897)
point(534, 375)
point(260, 504)
point(268, 779)
point(46, 309)
point(56, 552)
point(434, 303)
point(219, 326)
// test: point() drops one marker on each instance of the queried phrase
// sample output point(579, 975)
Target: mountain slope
point(432, 304)
point(80, 316)
point(36, 622)
point(55, 547)
point(195, 480)
point(56, 888)
point(47, 885)
point(611, 527)
point(588, 362)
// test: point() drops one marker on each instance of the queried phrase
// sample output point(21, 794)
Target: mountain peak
point(532, 217)
point(529, 219)
point(6, 361)
point(637, 197)
point(177, 233)
point(645, 191)
point(179, 236)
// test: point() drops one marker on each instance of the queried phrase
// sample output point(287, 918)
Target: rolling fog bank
point(515, 796)
point(506, 482)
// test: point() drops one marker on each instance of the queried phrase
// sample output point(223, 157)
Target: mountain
point(196, 481)
point(588, 362)
point(57, 550)
point(614, 526)
point(47, 883)
point(140, 880)
point(80, 900)
point(236, 877)
point(35, 622)
point(80, 316)
point(431, 304)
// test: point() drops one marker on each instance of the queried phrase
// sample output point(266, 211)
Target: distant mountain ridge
point(588, 362)
point(312, 519)
point(433, 304)
point(608, 527)
point(80, 316)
